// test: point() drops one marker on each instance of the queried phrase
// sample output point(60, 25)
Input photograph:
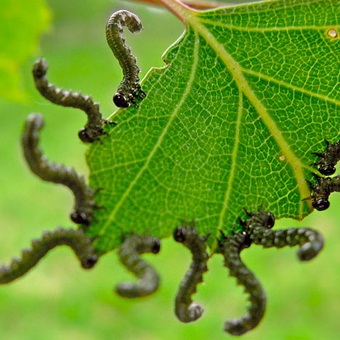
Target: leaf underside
point(231, 122)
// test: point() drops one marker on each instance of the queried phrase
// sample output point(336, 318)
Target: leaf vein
point(159, 141)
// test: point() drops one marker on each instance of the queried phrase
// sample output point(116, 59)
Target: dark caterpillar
point(185, 309)
point(231, 247)
point(257, 228)
point(129, 253)
point(328, 158)
point(75, 239)
point(95, 122)
point(258, 218)
point(129, 89)
point(321, 191)
point(57, 173)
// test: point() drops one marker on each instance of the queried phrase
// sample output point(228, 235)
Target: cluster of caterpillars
point(326, 185)
point(256, 228)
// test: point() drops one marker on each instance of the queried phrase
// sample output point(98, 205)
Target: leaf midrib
point(243, 86)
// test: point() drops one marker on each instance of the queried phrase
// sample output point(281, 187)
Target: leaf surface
point(231, 122)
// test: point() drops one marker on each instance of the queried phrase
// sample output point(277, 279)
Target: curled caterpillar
point(57, 173)
point(258, 218)
point(95, 122)
point(185, 309)
point(129, 254)
point(231, 247)
point(322, 190)
point(258, 229)
point(328, 158)
point(75, 239)
point(129, 89)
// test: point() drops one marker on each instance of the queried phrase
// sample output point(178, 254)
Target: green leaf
point(231, 122)
point(21, 23)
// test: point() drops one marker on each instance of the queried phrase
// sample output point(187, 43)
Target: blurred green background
point(59, 300)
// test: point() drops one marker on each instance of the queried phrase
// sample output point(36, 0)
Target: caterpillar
point(328, 158)
point(129, 253)
point(57, 173)
point(258, 228)
point(260, 218)
point(231, 247)
point(129, 89)
point(75, 239)
point(322, 190)
point(185, 309)
point(95, 122)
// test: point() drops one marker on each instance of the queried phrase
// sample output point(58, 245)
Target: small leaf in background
point(19, 39)
point(231, 122)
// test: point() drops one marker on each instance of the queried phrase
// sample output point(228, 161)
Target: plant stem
point(178, 8)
